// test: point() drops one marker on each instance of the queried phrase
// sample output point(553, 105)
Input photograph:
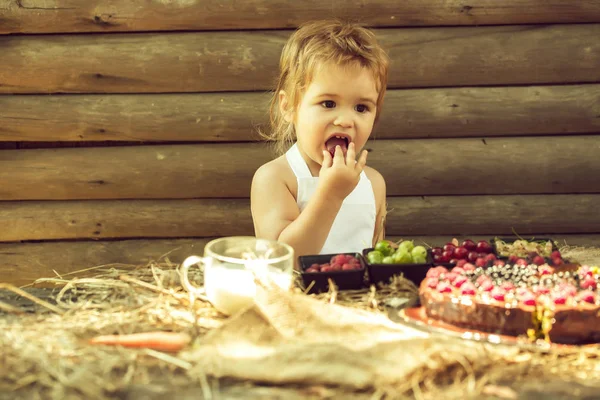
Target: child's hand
point(339, 176)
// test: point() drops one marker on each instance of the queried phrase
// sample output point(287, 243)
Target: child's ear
point(284, 107)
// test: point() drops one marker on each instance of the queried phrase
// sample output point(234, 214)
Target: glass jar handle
point(185, 280)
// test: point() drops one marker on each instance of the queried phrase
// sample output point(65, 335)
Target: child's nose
point(343, 121)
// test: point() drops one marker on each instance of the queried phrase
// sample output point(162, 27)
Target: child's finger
point(327, 160)
point(339, 155)
point(362, 161)
point(351, 154)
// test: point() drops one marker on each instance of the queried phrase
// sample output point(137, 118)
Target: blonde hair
point(311, 46)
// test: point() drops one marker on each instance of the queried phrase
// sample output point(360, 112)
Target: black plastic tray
point(383, 272)
point(514, 238)
point(344, 280)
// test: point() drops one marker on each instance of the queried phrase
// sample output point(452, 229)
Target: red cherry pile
point(479, 253)
point(339, 262)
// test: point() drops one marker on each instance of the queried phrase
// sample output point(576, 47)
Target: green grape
point(387, 260)
point(375, 257)
point(407, 245)
point(383, 246)
point(419, 252)
point(402, 257)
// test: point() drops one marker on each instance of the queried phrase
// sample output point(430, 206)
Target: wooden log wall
point(128, 129)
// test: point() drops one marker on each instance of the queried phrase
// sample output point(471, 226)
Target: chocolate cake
point(562, 306)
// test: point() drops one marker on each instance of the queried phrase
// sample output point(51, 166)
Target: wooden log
point(409, 113)
point(523, 165)
point(36, 16)
point(23, 263)
point(437, 215)
point(247, 61)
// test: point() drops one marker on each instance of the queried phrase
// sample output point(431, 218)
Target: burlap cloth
point(292, 338)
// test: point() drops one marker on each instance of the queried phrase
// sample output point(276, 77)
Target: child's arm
point(379, 190)
point(275, 212)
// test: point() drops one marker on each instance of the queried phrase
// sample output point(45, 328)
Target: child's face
point(340, 101)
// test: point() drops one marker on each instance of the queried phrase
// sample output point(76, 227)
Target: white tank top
point(354, 225)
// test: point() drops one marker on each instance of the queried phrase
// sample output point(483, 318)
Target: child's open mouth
point(337, 140)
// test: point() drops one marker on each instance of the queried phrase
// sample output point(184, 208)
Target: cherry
point(521, 262)
point(499, 263)
point(460, 253)
point(557, 261)
point(449, 247)
point(538, 260)
point(469, 245)
point(490, 257)
point(483, 247)
point(472, 256)
point(447, 255)
point(437, 251)
point(512, 259)
point(556, 254)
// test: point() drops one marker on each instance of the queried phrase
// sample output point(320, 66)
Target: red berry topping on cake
point(480, 262)
point(460, 263)
point(482, 278)
point(468, 289)
point(486, 286)
point(459, 281)
point(559, 298)
point(499, 263)
point(451, 276)
point(542, 290)
point(443, 287)
point(522, 262)
point(468, 267)
point(585, 271)
point(526, 297)
point(498, 294)
point(458, 270)
point(432, 282)
point(588, 282)
point(545, 271)
point(567, 289)
point(587, 296)
point(432, 273)
point(442, 270)
point(507, 286)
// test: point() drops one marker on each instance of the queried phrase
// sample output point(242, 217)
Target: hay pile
point(334, 345)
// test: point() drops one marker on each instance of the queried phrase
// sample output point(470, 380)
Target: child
point(320, 197)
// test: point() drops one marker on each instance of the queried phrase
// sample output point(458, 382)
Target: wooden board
point(409, 113)
point(563, 164)
point(247, 60)
point(37, 16)
point(23, 263)
point(436, 215)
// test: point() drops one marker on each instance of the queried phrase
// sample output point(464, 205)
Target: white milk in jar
point(232, 264)
point(231, 288)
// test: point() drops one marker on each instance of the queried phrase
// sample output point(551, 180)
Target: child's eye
point(328, 104)
point(361, 108)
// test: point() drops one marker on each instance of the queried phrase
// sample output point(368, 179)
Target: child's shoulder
point(276, 171)
point(375, 177)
